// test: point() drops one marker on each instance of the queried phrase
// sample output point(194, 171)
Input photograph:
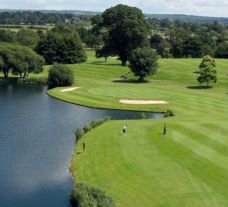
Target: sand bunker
point(142, 102)
point(69, 89)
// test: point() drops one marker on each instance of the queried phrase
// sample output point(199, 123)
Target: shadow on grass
point(104, 63)
point(196, 72)
point(199, 87)
point(130, 81)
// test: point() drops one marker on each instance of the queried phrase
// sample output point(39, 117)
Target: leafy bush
point(222, 51)
point(93, 124)
point(85, 196)
point(208, 73)
point(96, 123)
point(87, 128)
point(60, 75)
point(169, 113)
point(79, 133)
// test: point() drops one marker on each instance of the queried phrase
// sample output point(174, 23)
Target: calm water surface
point(36, 142)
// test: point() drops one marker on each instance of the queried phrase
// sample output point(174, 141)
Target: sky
point(218, 8)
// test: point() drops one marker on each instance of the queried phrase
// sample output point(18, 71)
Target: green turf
point(186, 168)
point(101, 87)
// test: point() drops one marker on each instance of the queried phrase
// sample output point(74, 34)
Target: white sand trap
point(142, 102)
point(69, 89)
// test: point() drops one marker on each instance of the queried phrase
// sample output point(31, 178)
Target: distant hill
point(157, 16)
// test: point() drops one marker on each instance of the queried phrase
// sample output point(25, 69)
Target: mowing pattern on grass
point(174, 83)
point(188, 167)
point(144, 168)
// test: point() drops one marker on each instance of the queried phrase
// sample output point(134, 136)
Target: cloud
point(194, 7)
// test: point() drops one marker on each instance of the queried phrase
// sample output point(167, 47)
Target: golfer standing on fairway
point(84, 146)
point(124, 129)
point(165, 129)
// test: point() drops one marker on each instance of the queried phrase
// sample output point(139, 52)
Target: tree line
point(121, 31)
point(26, 51)
point(180, 39)
point(40, 18)
point(177, 39)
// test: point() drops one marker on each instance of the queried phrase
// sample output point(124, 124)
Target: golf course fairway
point(187, 167)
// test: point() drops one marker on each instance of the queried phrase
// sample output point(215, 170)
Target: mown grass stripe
point(201, 150)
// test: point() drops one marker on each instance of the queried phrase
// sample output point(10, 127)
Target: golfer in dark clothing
point(124, 129)
point(84, 146)
point(165, 129)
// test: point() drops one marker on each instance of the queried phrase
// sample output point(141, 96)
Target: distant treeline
point(188, 18)
point(170, 38)
point(167, 24)
point(176, 38)
point(39, 18)
point(72, 16)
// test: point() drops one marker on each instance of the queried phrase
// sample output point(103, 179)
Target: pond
point(36, 143)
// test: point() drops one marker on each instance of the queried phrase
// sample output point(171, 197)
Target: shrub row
point(80, 132)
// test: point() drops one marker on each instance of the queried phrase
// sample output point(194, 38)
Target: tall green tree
point(90, 39)
point(20, 60)
point(7, 35)
point(62, 45)
point(27, 37)
point(155, 41)
point(208, 73)
point(192, 47)
point(222, 51)
point(125, 29)
point(186, 46)
point(143, 62)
